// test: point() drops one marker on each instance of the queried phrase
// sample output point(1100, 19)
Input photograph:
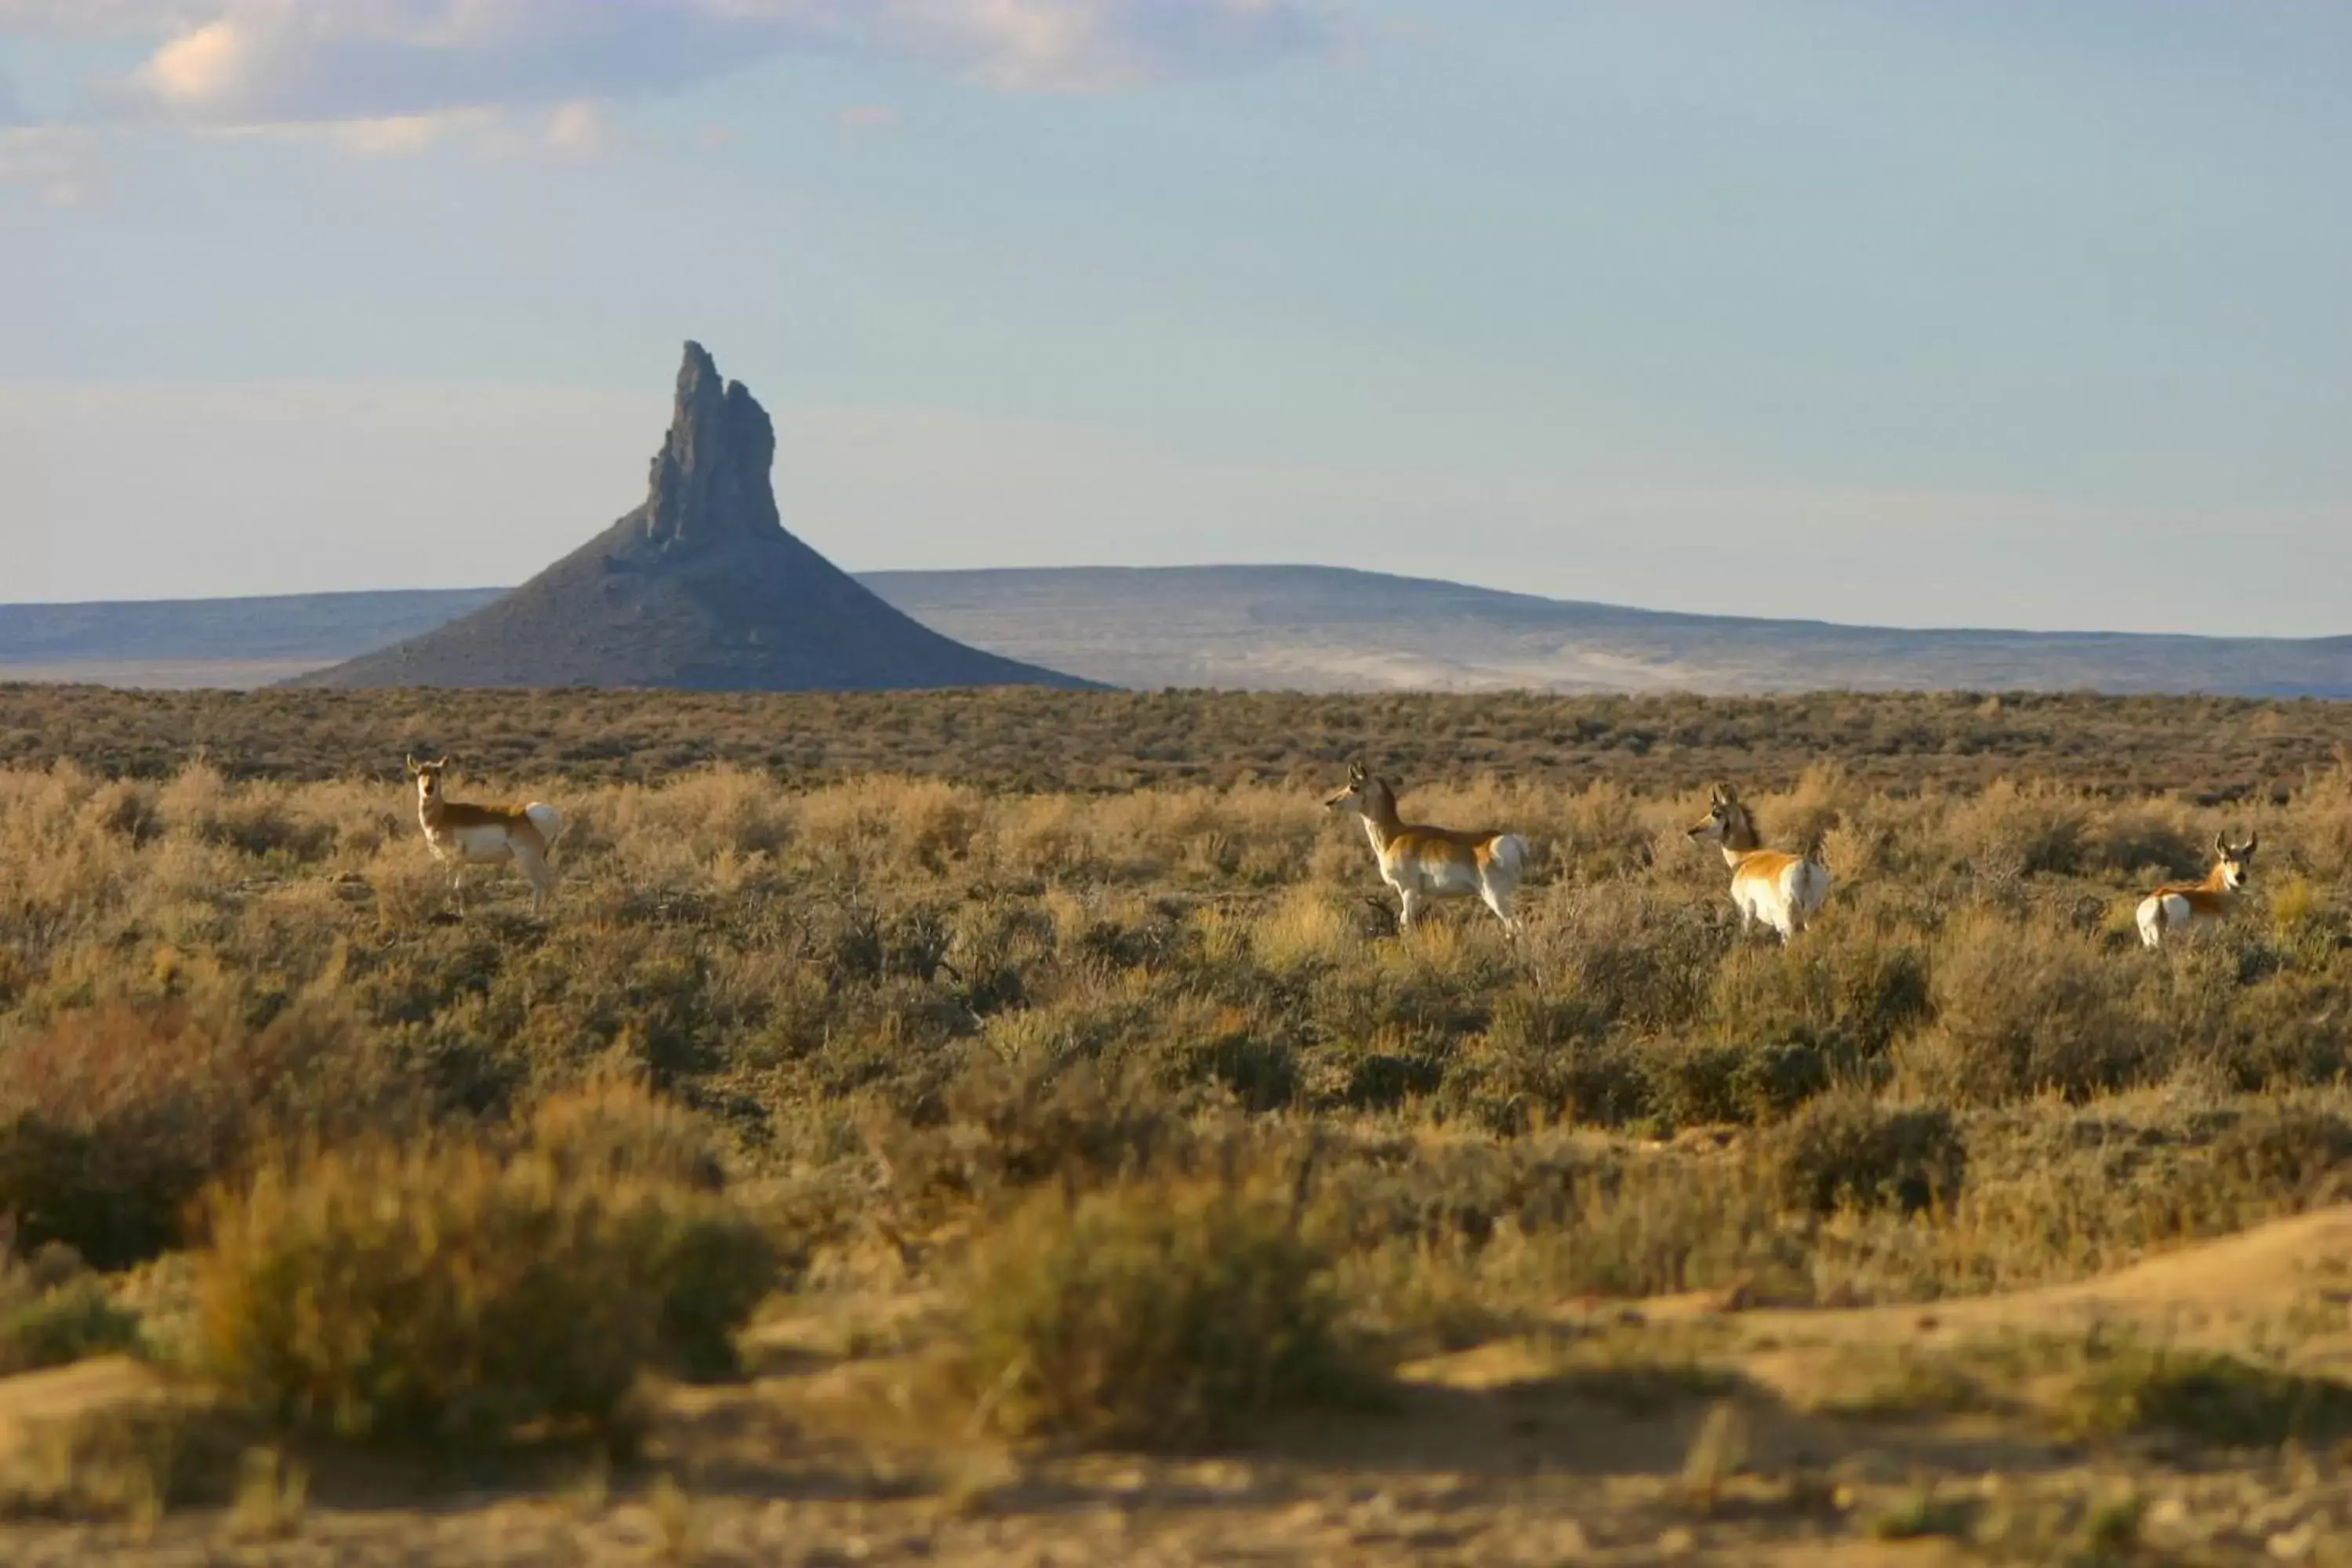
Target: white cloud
point(59, 164)
point(291, 61)
point(402, 135)
point(387, 136)
point(1103, 45)
point(99, 18)
point(263, 62)
point(577, 130)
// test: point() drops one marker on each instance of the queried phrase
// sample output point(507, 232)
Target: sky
point(1919, 312)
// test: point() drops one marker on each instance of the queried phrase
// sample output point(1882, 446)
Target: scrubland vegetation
point(1066, 1120)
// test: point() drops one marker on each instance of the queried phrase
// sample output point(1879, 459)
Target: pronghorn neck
point(1741, 839)
point(2218, 884)
point(1379, 810)
point(432, 809)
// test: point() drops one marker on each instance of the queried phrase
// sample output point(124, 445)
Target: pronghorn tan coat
point(1424, 863)
point(460, 833)
point(2177, 906)
point(1780, 889)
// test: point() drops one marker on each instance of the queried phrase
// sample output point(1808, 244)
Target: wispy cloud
point(281, 61)
point(99, 18)
point(59, 164)
point(864, 119)
point(256, 62)
point(577, 130)
point(1102, 46)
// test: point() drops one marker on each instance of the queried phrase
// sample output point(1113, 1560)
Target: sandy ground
point(1538, 1448)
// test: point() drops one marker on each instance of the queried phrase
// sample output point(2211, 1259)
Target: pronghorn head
point(1352, 796)
point(2236, 862)
point(1364, 792)
point(1727, 821)
point(427, 776)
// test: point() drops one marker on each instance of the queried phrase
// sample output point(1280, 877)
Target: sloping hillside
point(1311, 628)
point(700, 588)
point(1320, 628)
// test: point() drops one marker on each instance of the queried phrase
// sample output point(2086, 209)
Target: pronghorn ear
point(2251, 839)
point(2222, 845)
point(443, 764)
point(412, 764)
point(1722, 795)
point(1355, 773)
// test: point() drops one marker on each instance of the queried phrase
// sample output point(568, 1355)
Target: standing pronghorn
point(458, 833)
point(1424, 863)
point(1783, 891)
point(2180, 905)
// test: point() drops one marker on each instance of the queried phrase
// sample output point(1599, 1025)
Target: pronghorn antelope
point(1425, 863)
point(1783, 891)
point(2177, 906)
point(459, 833)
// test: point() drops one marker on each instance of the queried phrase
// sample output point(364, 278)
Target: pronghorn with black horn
point(460, 833)
point(1425, 863)
point(2177, 906)
point(1781, 889)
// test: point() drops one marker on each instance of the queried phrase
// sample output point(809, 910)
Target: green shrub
point(2007, 832)
point(1158, 1314)
point(2023, 1008)
point(1662, 1225)
point(445, 1293)
point(2286, 1149)
point(2127, 1384)
point(1637, 959)
point(52, 1310)
point(613, 1130)
point(1009, 1126)
point(1845, 1149)
point(1695, 1083)
point(112, 1118)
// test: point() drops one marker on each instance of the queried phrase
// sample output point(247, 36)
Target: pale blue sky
point(1995, 312)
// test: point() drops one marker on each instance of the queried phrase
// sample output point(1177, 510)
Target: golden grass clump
point(54, 1310)
point(1153, 1314)
point(112, 1117)
point(2023, 1007)
point(441, 1291)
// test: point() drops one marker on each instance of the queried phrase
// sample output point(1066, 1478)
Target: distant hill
point(1322, 628)
point(238, 642)
point(698, 589)
point(1269, 627)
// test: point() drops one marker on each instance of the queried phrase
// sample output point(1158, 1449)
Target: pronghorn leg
point(542, 880)
point(1412, 910)
point(1498, 901)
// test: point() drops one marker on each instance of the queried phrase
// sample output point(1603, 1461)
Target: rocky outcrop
point(710, 479)
point(700, 588)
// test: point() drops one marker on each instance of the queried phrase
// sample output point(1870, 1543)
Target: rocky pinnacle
point(711, 481)
point(699, 588)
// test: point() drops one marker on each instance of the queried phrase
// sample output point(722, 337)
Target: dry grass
point(995, 1033)
point(1154, 1315)
point(1039, 741)
point(437, 1292)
